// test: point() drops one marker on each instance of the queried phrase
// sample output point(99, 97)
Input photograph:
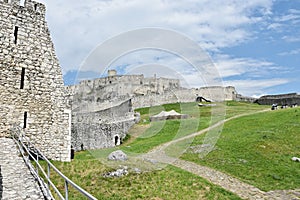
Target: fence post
point(66, 190)
point(37, 167)
point(48, 174)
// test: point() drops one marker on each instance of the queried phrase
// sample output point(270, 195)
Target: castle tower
point(31, 84)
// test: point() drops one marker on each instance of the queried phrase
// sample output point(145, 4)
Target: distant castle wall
point(144, 92)
point(94, 129)
point(98, 117)
point(31, 81)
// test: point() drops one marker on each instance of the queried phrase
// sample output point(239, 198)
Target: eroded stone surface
point(31, 84)
point(17, 181)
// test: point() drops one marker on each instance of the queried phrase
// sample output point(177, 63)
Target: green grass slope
point(258, 150)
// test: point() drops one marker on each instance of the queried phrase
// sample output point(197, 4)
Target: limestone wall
point(94, 129)
point(144, 92)
point(115, 87)
point(218, 93)
point(31, 81)
point(215, 93)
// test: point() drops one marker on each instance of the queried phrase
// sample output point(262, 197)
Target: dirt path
point(165, 145)
point(234, 185)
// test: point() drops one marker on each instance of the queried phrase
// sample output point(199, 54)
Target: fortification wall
point(184, 95)
point(218, 93)
point(31, 81)
point(117, 87)
point(102, 128)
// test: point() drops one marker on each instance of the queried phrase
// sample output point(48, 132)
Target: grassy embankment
point(258, 149)
point(171, 182)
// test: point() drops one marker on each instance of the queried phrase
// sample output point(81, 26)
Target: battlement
point(34, 6)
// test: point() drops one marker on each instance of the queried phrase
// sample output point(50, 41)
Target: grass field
point(169, 183)
point(256, 149)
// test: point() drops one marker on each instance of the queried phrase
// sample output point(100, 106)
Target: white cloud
point(255, 88)
point(289, 38)
point(292, 52)
point(288, 17)
point(229, 66)
point(78, 26)
point(274, 26)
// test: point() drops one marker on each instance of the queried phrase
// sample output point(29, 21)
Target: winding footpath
point(16, 181)
point(234, 185)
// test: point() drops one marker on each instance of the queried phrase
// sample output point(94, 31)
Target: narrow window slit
point(16, 34)
point(25, 120)
point(22, 78)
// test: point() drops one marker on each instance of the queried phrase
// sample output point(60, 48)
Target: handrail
point(26, 147)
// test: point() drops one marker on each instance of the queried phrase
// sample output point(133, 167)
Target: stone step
point(16, 181)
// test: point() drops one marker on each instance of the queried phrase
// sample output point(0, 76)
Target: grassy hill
point(256, 149)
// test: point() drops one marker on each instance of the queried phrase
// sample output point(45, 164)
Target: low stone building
point(31, 84)
point(280, 99)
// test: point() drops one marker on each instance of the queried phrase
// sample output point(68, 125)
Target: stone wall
point(280, 99)
point(144, 92)
point(94, 129)
point(102, 109)
point(214, 93)
point(115, 87)
point(31, 81)
point(218, 93)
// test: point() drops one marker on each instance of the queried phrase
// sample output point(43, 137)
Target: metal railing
point(29, 152)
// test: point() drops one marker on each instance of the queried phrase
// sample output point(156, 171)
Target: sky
point(254, 45)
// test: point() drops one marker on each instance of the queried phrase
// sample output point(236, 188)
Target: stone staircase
point(16, 181)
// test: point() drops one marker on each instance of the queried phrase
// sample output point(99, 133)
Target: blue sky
point(254, 45)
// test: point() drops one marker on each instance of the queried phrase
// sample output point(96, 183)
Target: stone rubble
point(118, 173)
point(17, 181)
point(117, 156)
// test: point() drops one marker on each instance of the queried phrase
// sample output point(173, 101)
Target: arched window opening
point(117, 140)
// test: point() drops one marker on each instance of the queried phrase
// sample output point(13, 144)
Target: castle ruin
point(34, 98)
point(102, 109)
point(31, 84)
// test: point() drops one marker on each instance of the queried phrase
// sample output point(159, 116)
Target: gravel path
point(243, 190)
point(16, 181)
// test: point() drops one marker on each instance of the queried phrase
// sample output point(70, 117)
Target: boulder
point(117, 156)
point(118, 173)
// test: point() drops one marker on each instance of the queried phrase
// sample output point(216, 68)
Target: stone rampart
point(94, 129)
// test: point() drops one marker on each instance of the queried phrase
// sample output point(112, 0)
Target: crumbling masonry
point(31, 81)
